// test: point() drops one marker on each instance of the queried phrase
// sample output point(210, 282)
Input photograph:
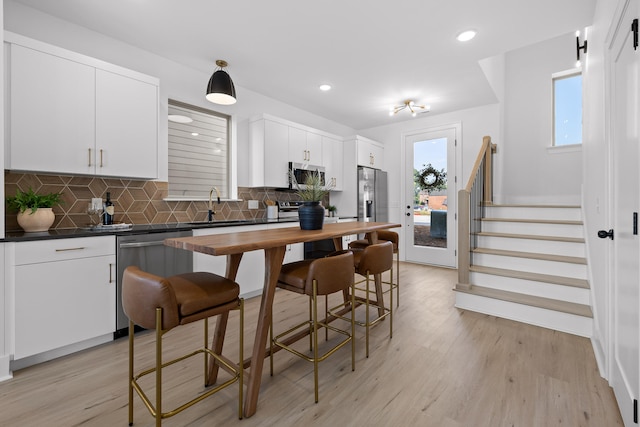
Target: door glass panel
point(430, 193)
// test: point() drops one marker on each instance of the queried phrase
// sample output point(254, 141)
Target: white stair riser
point(530, 287)
point(569, 323)
point(560, 230)
point(567, 214)
point(578, 271)
point(532, 245)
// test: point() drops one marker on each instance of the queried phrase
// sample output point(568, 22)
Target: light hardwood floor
point(444, 367)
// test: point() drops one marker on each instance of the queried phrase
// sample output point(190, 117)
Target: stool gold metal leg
point(131, 326)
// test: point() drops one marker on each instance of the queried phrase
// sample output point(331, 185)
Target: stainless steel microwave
point(300, 171)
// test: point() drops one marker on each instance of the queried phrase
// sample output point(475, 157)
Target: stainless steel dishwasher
point(148, 252)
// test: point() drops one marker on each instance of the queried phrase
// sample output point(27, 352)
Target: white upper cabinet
point(69, 113)
point(126, 126)
point(274, 142)
point(370, 153)
point(268, 154)
point(305, 147)
point(52, 120)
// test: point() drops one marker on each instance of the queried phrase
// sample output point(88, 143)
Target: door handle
point(603, 234)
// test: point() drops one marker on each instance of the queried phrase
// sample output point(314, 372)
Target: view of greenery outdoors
point(430, 184)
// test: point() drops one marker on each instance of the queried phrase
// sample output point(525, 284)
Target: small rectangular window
point(198, 151)
point(567, 108)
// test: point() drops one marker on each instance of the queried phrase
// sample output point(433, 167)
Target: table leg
point(337, 243)
point(233, 263)
point(273, 263)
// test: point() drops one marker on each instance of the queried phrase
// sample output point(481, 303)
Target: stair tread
point(536, 277)
point(534, 301)
point(534, 221)
point(516, 205)
point(531, 236)
point(532, 255)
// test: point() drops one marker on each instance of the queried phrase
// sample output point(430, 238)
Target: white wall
point(476, 123)
point(535, 173)
point(176, 81)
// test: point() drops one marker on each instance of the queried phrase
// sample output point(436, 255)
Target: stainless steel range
point(288, 209)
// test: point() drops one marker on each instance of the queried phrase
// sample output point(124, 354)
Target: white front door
point(625, 376)
point(430, 223)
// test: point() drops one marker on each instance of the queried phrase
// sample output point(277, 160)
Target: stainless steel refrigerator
point(372, 195)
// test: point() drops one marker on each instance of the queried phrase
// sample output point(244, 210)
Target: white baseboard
point(5, 370)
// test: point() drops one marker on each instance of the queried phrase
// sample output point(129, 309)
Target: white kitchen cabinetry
point(349, 238)
point(52, 120)
point(126, 126)
point(64, 292)
point(333, 162)
point(370, 153)
point(295, 251)
point(86, 117)
point(250, 275)
point(305, 147)
point(274, 142)
point(269, 153)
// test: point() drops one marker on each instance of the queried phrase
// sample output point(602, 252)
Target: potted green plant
point(332, 210)
point(35, 211)
point(313, 190)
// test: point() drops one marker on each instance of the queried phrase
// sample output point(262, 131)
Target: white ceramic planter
point(40, 220)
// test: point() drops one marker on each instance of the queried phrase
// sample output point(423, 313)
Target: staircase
point(529, 264)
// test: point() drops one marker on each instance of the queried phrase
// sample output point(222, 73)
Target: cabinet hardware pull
point(101, 157)
point(89, 157)
point(141, 244)
point(71, 249)
point(110, 272)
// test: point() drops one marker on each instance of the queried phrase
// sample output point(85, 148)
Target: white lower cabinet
point(349, 238)
point(250, 275)
point(64, 292)
point(294, 252)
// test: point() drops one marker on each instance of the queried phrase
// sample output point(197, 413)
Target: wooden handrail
point(482, 155)
point(483, 167)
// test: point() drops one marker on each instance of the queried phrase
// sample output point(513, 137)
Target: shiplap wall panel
point(197, 162)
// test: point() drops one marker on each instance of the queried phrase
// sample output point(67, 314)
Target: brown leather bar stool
point(372, 261)
point(162, 304)
point(314, 278)
point(391, 236)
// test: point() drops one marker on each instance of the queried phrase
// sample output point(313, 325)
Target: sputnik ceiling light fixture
point(220, 89)
point(411, 106)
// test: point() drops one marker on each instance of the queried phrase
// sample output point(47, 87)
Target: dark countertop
point(21, 236)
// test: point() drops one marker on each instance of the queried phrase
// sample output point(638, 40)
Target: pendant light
point(220, 89)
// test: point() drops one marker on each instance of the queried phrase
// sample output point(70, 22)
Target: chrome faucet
point(211, 212)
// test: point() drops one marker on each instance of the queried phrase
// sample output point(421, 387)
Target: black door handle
point(603, 234)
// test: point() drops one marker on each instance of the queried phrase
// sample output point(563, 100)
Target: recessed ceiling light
point(465, 36)
point(325, 87)
point(194, 134)
point(177, 118)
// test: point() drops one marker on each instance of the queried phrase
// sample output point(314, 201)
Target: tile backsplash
point(136, 202)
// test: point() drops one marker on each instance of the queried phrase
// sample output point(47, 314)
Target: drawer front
point(63, 249)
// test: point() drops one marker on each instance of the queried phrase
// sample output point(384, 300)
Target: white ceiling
point(374, 53)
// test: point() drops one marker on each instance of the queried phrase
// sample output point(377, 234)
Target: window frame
point(229, 191)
